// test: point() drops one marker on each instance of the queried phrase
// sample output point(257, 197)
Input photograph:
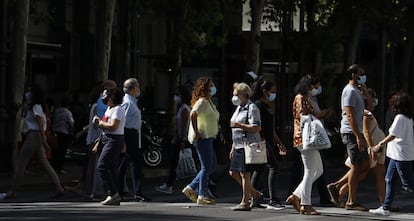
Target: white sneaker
point(164, 188)
point(3, 196)
point(380, 211)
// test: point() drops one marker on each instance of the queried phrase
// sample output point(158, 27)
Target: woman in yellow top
point(202, 133)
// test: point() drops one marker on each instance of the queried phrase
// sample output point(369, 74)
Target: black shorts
point(354, 154)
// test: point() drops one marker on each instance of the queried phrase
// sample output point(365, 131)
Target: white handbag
point(255, 153)
point(314, 135)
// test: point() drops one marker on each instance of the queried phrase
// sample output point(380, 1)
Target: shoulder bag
point(254, 152)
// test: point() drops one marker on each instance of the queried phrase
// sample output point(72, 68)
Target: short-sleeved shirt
point(301, 105)
point(402, 147)
point(352, 97)
point(62, 120)
point(248, 114)
point(132, 112)
point(30, 120)
point(207, 118)
point(112, 113)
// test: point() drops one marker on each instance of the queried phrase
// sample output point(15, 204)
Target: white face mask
point(236, 100)
point(272, 97)
point(375, 102)
point(316, 91)
point(177, 99)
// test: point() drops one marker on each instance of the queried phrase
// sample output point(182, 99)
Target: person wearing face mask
point(311, 158)
point(373, 135)
point(353, 100)
point(112, 124)
point(245, 125)
point(202, 132)
point(132, 152)
point(265, 92)
point(295, 178)
point(179, 142)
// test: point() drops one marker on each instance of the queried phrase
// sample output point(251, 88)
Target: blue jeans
point(208, 161)
point(405, 172)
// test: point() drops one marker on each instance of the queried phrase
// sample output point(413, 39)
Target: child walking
point(400, 149)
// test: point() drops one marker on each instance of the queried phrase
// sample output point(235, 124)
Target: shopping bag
point(255, 153)
point(314, 135)
point(186, 166)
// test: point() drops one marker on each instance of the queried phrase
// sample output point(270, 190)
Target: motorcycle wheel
point(152, 157)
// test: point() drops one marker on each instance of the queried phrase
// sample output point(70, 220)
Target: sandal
point(242, 207)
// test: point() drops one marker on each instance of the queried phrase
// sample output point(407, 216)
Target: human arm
point(366, 128)
point(350, 114)
point(193, 119)
point(185, 116)
point(378, 148)
point(41, 125)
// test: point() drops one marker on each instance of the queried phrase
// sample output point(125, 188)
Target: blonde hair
point(243, 88)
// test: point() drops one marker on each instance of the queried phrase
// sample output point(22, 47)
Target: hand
point(373, 153)
point(362, 146)
point(95, 121)
point(231, 153)
point(235, 125)
point(95, 149)
point(123, 149)
point(282, 149)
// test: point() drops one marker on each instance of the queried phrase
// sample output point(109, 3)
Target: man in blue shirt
point(132, 154)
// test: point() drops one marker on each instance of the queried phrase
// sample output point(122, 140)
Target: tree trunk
point(406, 61)
point(17, 77)
point(253, 57)
point(351, 45)
point(382, 65)
point(104, 36)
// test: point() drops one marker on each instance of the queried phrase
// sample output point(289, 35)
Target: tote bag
point(186, 166)
point(314, 135)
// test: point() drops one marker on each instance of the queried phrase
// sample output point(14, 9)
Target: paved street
point(33, 203)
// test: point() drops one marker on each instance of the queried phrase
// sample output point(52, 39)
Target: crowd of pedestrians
point(114, 144)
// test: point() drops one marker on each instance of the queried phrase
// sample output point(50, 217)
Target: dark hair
point(38, 96)
point(184, 93)
point(314, 80)
point(401, 103)
point(116, 95)
point(302, 87)
point(353, 69)
point(372, 92)
point(258, 87)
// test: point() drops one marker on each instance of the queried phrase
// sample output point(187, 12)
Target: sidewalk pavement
point(227, 189)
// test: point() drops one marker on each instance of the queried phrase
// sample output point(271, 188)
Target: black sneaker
point(141, 198)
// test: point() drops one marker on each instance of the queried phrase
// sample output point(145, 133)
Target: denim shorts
point(237, 163)
point(354, 154)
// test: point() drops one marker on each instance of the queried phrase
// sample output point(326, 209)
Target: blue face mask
point(213, 90)
point(272, 97)
point(362, 79)
point(316, 91)
point(375, 102)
